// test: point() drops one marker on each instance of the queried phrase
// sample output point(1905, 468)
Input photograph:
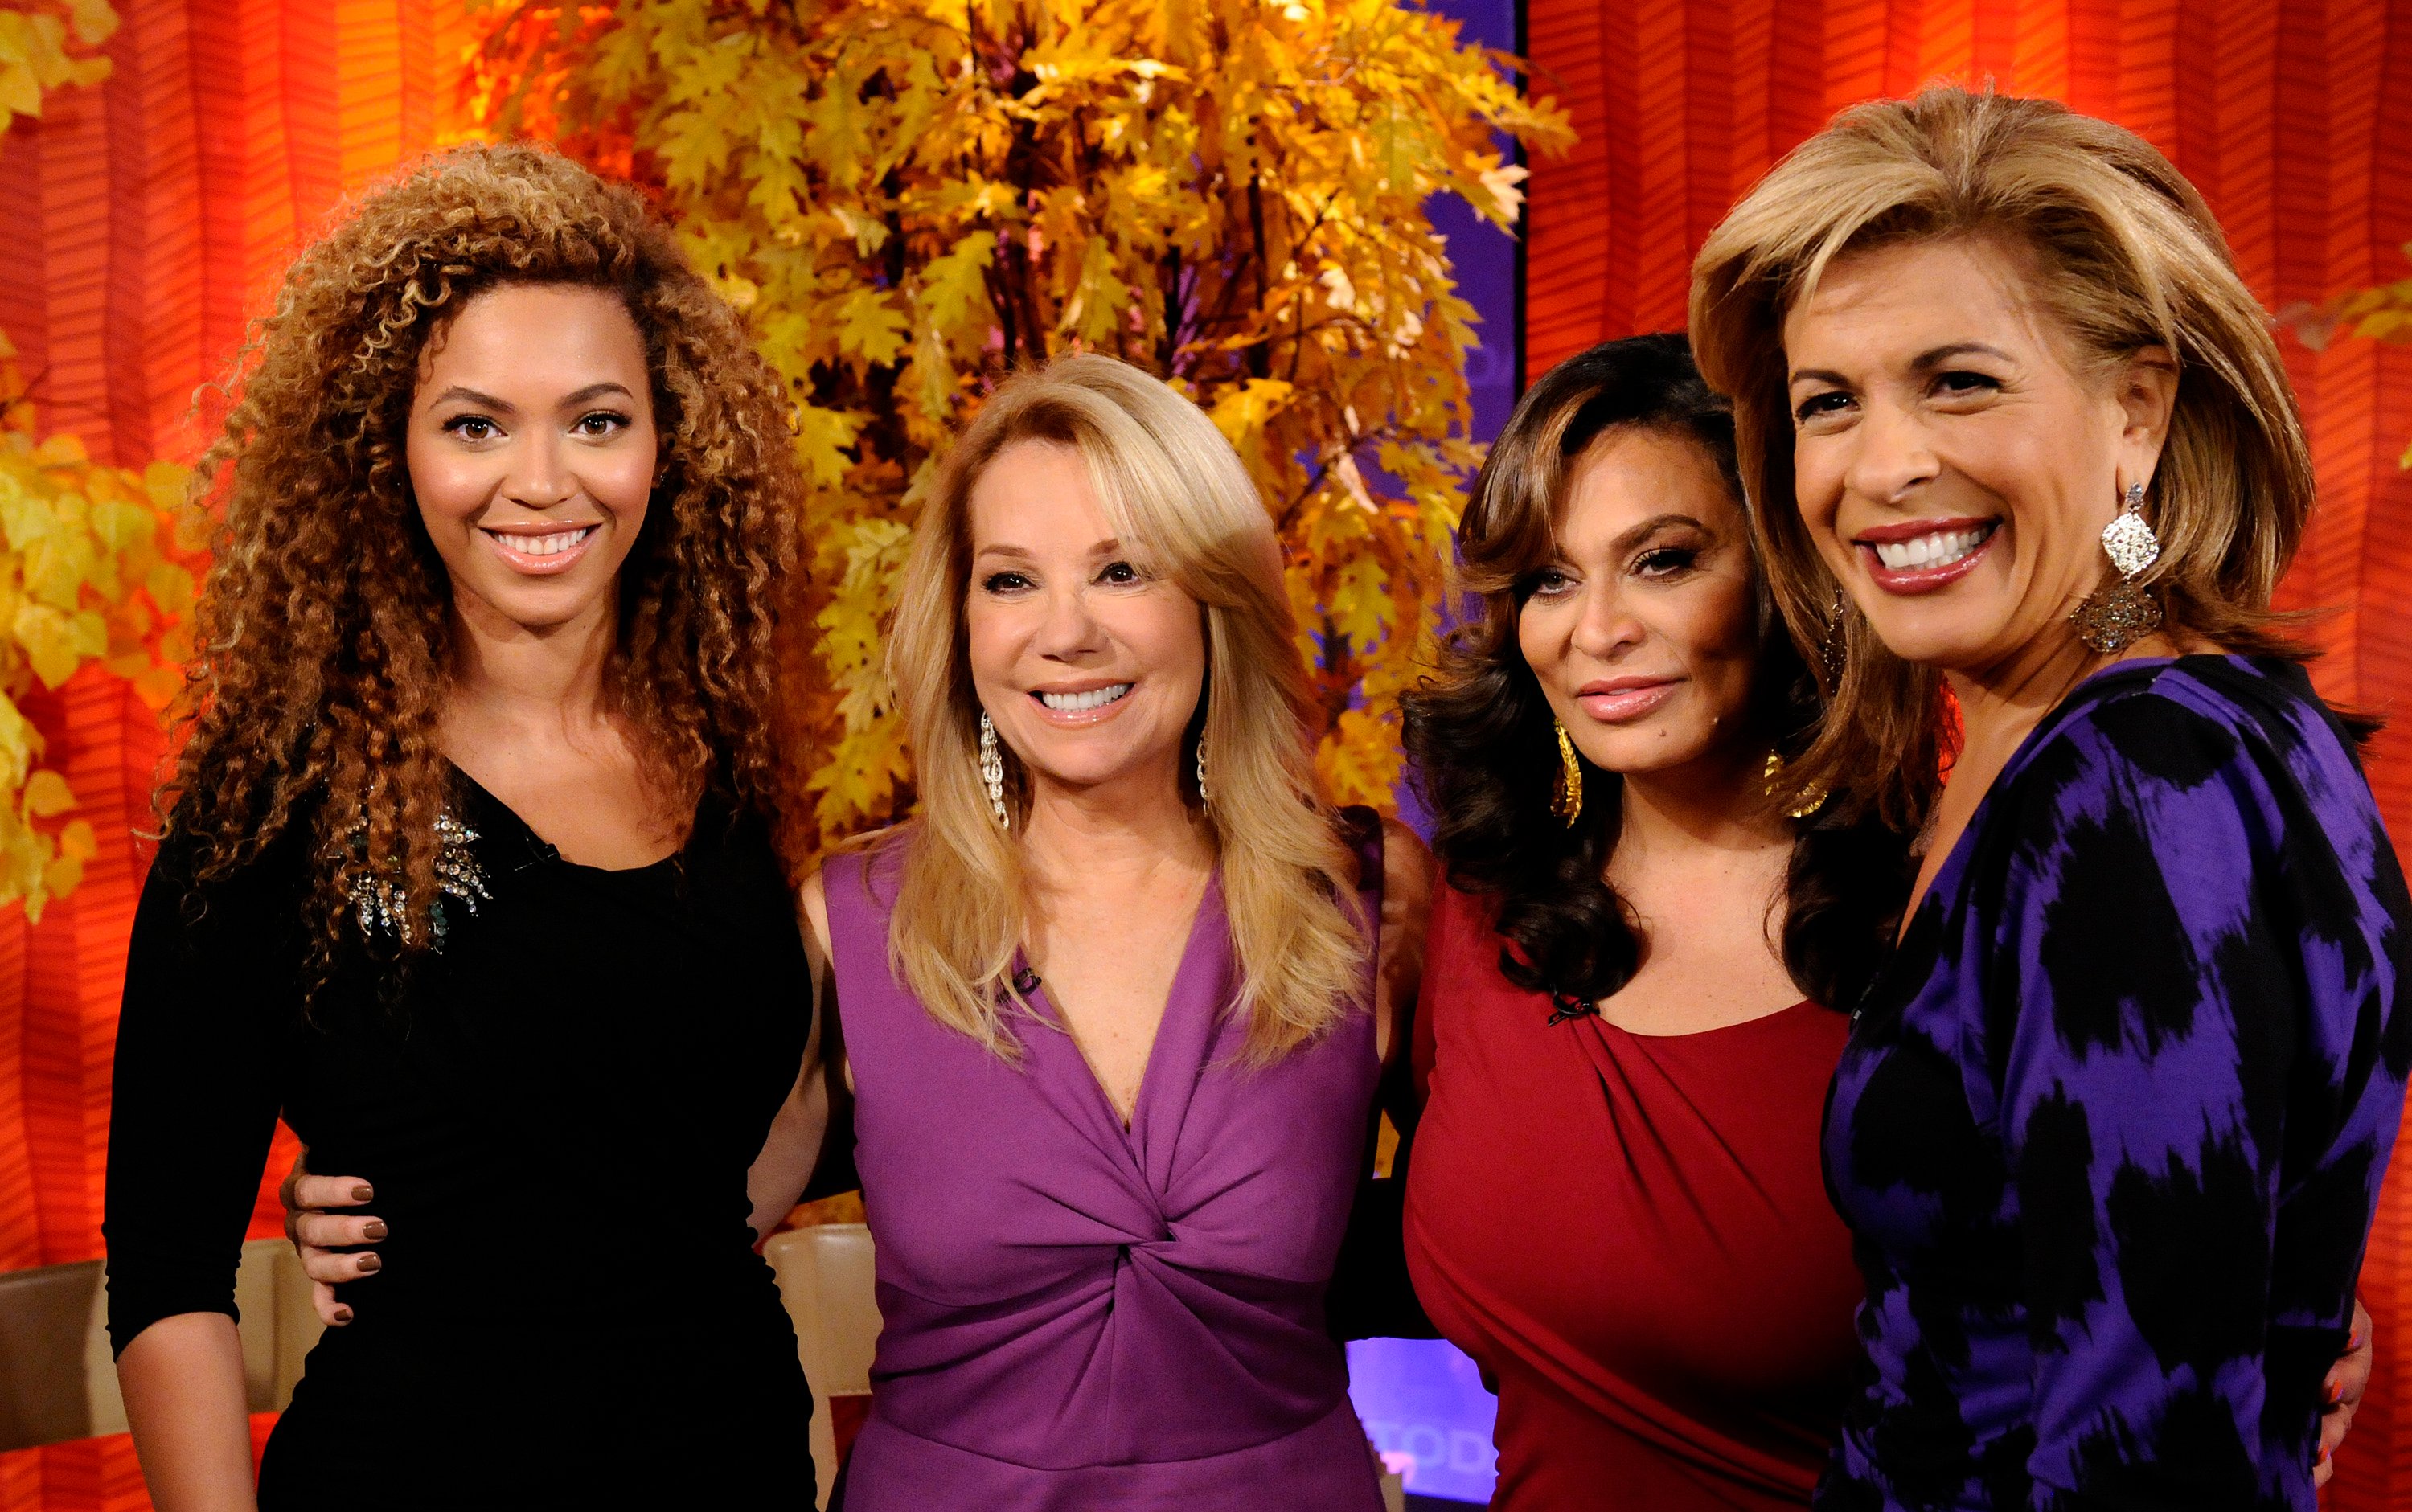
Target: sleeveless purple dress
point(1079, 1315)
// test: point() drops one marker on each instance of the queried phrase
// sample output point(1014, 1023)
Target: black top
point(557, 1114)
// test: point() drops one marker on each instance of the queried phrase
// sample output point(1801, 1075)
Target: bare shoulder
point(811, 902)
point(812, 896)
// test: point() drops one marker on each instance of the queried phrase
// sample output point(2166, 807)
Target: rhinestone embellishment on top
point(383, 904)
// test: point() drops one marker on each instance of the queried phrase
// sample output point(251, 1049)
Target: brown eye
point(1960, 383)
point(1666, 561)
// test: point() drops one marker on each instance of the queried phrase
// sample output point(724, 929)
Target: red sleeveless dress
point(1631, 1234)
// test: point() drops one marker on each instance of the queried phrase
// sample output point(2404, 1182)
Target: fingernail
point(2335, 1392)
point(375, 1228)
point(2353, 1344)
point(343, 1314)
point(363, 1193)
point(369, 1262)
point(2324, 1454)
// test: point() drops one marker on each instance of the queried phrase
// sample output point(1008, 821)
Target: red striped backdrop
point(146, 221)
point(147, 218)
point(2295, 119)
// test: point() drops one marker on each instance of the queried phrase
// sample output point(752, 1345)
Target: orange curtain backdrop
point(143, 224)
point(2294, 117)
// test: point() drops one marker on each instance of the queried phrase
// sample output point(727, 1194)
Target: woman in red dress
point(1614, 1202)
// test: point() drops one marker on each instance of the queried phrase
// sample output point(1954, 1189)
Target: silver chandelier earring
point(1204, 800)
point(993, 770)
point(2115, 617)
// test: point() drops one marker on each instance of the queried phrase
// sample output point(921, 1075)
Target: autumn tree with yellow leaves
point(91, 567)
point(912, 196)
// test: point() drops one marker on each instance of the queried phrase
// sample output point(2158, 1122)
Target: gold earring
point(1566, 802)
point(1805, 803)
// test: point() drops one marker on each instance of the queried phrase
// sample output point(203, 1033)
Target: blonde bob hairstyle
point(1173, 490)
point(2122, 254)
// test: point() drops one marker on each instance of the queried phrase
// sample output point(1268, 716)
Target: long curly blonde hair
point(325, 631)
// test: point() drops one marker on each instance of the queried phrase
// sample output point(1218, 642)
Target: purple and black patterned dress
point(2111, 1124)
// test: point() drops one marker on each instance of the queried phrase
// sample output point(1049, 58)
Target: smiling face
point(1953, 466)
point(532, 451)
point(1088, 662)
point(1643, 631)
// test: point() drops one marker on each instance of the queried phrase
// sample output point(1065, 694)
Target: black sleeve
point(1371, 1296)
point(834, 1172)
point(195, 1095)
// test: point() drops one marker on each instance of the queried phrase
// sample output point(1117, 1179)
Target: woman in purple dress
point(1111, 1014)
point(2110, 1124)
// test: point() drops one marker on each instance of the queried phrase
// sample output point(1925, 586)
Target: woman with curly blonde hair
point(469, 859)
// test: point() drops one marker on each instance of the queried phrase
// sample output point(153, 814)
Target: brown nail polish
point(369, 1262)
point(343, 1314)
point(375, 1228)
point(363, 1193)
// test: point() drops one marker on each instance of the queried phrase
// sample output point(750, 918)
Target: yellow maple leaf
point(46, 795)
point(870, 326)
point(1231, 195)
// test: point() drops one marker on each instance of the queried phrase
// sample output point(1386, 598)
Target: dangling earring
point(1831, 650)
point(993, 770)
point(1805, 802)
point(1205, 800)
point(1566, 802)
point(2112, 619)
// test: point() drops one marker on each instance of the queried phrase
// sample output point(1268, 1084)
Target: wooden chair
point(825, 1278)
point(57, 1381)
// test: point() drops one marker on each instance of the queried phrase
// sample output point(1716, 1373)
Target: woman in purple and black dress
point(2110, 1124)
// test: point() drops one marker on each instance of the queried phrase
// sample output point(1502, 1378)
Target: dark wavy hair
point(325, 631)
point(1481, 733)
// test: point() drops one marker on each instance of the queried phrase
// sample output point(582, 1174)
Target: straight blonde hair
point(2124, 255)
point(1173, 489)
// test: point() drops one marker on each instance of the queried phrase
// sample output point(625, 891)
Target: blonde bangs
point(1173, 489)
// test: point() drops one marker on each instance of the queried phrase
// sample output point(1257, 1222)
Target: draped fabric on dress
point(1078, 1314)
point(1629, 1232)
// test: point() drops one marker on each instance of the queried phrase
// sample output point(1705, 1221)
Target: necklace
point(383, 903)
